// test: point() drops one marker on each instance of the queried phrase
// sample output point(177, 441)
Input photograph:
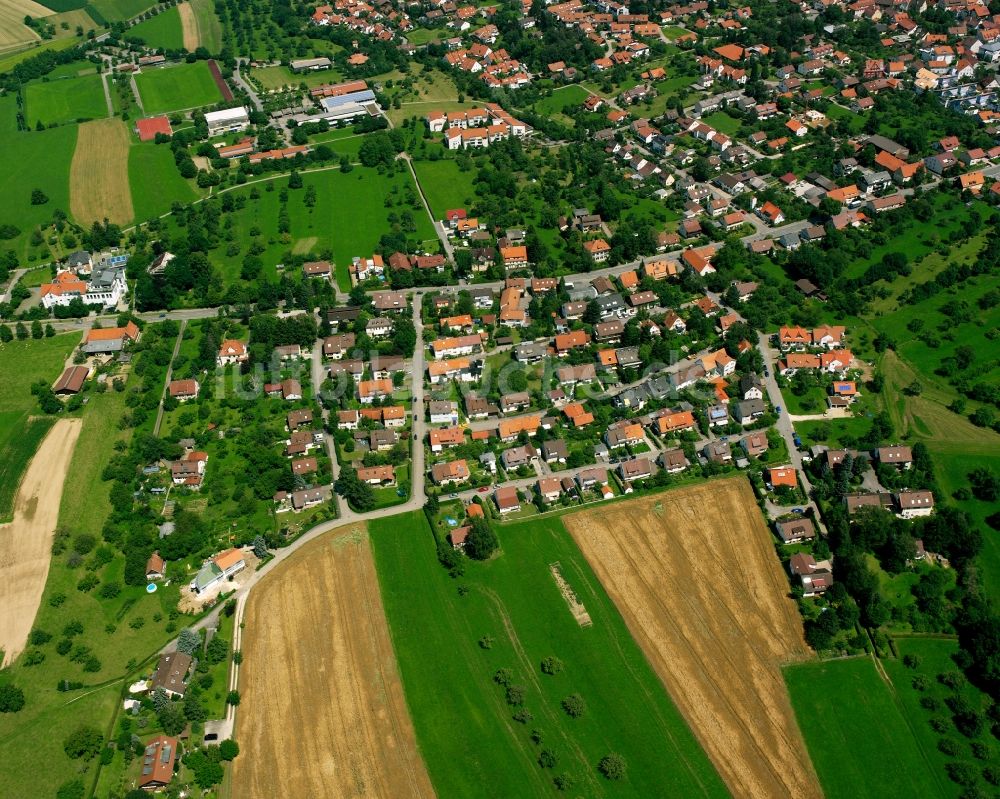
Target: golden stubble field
point(322, 711)
point(98, 177)
point(26, 542)
point(13, 32)
point(694, 574)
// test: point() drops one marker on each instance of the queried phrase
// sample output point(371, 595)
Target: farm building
point(71, 381)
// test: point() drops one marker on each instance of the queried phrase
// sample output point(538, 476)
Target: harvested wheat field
point(98, 176)
point(189, 27)
point(26, 542)
point(13, 32)
point(694, 574)
point(322, 705)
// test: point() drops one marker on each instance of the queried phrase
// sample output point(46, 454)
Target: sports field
point(154, 180)
point(451, 636)
point(177, 88)
point(717, 640)
point(65, 100)
point(339, 681)
point(445, 185)
point(98, 180)
point(13, 32)
point(857, 735)
point(163, 30)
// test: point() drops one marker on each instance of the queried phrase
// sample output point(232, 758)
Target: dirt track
point(26, 542)
point(694, 574)
point(322, 711)
point(98, 175)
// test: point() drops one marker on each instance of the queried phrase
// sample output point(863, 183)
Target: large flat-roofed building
point(347, 106)
point(228, 120)
point(311, 64)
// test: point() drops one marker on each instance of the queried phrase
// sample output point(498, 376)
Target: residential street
point(784, 423)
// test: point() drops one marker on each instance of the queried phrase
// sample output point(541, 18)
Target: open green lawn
point(65, 100)
point(162, 31)
point(460, 714)
point(723, 123)
point(176, 88)
point(858, 738)
point(445, 185)
point(421, 36)
point(278, 77)
point(348, 218)
point(835, 432)
point(21, 364)
point(155, 181)
point(571, 96)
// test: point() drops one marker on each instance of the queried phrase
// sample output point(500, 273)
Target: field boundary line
point(891, 687)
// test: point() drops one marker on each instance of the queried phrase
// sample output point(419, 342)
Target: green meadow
point(65, 100)
point(452, 635)
point(154, 180)
point(348, 218)
point(162, 31)
point(445, 185)
point(21, 364)
point(859, 739)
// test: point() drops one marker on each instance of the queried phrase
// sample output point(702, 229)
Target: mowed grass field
point(21, 364)
point(65, 100)
point(859, 739)
point(99, 180)
point(35, 159)
point(154, 181)
point(177, 88)
point(163, 30)
point(16, 450)
point(115, 10)
point(472, 745)
point(445, 185)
